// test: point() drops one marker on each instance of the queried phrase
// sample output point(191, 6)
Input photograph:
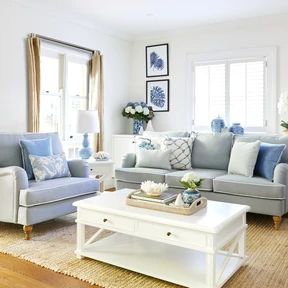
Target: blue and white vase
point(236, 128)
point(189, 196)
point(138, 125)
point(217, 125)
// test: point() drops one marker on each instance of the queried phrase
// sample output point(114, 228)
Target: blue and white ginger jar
point(236, 128)
point(189, 196)
point(217, 125)
point(138, 126)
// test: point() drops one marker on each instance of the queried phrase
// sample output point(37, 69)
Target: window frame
point(270, 89)
point(65, 55)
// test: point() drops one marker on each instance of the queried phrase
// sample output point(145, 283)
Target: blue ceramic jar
point(217, 125)
point(189, 196)
point(137, 126)
point(236, 128)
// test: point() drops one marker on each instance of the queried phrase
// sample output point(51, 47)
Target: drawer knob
point(105, 220)
point(168, 233)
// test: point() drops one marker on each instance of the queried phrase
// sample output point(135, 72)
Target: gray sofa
point(29, 202)
point(210, 159)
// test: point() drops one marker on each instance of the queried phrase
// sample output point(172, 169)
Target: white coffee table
point(186, 250)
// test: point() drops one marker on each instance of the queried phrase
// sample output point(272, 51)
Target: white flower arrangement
point(283, 108)
point(153, 189)
point(138, 110)
point(191, 181)
point(146, 111)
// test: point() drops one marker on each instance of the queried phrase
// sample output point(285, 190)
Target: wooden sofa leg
point(27, 230)
point(277, 222)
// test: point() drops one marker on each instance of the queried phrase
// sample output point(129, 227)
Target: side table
point(103, 171)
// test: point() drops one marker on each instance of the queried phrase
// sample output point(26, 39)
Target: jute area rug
point(53, 245)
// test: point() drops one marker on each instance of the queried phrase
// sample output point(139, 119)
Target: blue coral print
point(156, 62)
point(157, 96)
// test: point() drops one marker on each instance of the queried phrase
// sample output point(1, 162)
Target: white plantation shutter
point(234, 90)
point(247, 93)
point(209, 93)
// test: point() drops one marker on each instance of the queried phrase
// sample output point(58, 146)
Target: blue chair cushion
point(268, 157)
point(38, 147)
point(55, 190)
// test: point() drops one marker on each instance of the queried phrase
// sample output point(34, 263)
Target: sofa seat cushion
point(249, 186)
point(55, 190)
point(173, 179)
point(138, 175)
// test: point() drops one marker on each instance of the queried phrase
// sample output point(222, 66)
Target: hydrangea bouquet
point(138, 111)
point(191, 181)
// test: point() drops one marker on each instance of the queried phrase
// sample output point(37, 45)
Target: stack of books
point(165, 198)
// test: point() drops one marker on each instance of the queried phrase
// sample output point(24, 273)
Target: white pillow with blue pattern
point(49, 167)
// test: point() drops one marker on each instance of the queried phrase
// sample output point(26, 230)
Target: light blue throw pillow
point(49, 167)
point(38, 147)
point(268, 157)
point(153, 159)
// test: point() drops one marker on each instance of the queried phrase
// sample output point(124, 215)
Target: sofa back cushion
point(212, 150)
point(272, 139)
point(10, 152)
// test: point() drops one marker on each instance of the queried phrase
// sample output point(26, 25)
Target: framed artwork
point(157, 95)
point(157, 60)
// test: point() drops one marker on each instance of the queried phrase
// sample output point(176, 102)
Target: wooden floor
point(17, 273)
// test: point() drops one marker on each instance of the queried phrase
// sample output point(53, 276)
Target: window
point(238, 90)
point(64, 89)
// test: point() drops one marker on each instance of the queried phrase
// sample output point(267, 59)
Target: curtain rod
point(64, 43)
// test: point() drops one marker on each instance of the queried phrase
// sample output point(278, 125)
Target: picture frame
point(157, 95)
point(157, 60)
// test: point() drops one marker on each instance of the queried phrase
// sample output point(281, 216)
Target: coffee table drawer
point(171, 233)
point(106, 220)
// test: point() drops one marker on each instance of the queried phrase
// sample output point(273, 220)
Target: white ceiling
point(137, 17)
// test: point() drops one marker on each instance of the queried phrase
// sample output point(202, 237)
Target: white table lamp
point(87, 122)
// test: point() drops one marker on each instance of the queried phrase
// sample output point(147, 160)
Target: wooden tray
point(193, 208)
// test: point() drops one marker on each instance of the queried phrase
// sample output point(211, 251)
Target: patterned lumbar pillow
point(181, 149)
point(49, 167)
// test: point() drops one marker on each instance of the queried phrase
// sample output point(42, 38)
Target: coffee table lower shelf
point(163, 261)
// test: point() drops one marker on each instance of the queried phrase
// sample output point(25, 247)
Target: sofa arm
point(281, 174)
point(129, 160)
point(12, 180)
point(78, 168)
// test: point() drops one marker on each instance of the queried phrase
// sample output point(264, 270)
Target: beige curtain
point(33, 83)
point(96, 96)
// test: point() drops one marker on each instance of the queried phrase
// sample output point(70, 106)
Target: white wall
point(258, 32)
point(16, 22)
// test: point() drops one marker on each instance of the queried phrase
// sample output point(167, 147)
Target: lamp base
point(86, 151)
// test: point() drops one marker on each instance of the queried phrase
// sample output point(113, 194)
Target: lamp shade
point(87, 121)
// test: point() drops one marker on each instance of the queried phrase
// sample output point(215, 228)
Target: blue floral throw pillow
point(146, 144)
point(49, 167)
